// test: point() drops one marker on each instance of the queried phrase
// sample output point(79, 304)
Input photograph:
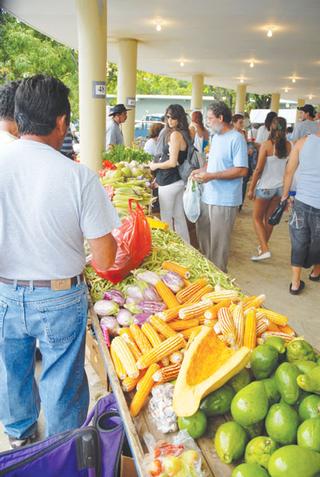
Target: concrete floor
point(271, 277)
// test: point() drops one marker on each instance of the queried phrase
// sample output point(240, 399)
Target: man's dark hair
point(269, 118)
point(219, 108)
point(236, 117)
point(7, 94)
point(39, 101)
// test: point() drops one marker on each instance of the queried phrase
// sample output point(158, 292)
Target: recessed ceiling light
point(182, 64)
point(158, 27)
point(269, 33)
point(241, 80)
point(251, 64)
point(310, 96)
point(286, 90)
point(287, 105)
point(293, 80)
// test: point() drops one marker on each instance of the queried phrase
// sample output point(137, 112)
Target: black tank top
point(169, 176)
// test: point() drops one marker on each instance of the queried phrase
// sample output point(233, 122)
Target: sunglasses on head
point(168, 116)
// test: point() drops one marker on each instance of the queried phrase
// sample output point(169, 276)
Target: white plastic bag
point(192, 200)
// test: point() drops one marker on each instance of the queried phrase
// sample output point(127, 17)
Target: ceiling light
point(182, 64)
point(269, 33)
point(158, 27)
point(241, 80)
point(286, 90)
point(310, 96)
point(287, 105)
point(251, 64)
point(293, 80)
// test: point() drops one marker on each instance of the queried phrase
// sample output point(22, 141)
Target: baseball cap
point(118, 109)
point(308, 108)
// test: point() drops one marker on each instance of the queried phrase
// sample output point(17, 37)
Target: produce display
point(188, 346)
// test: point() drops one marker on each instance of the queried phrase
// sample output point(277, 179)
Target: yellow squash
point(207, 365)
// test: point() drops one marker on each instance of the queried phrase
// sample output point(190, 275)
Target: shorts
point(268, 193)
point(304, 227)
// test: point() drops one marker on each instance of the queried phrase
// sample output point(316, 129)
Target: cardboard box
point(127, 467)
point(95, 358)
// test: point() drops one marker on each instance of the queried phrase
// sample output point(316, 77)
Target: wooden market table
point(136, 427)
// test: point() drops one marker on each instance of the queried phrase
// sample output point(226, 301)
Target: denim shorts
point(304, 229)
point(268, 193)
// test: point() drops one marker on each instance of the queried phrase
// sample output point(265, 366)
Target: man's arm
point(103, 251)
point(291, 167)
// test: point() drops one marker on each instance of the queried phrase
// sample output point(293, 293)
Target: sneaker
point(262, 256)
point(16, 443)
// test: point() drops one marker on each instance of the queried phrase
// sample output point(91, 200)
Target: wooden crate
point(94, 356)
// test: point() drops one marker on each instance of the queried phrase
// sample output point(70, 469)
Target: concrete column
point(127, 78)
point(241, 98)
point(301, 102)
point(275, 102)
point(197, 92)
point(92, 40)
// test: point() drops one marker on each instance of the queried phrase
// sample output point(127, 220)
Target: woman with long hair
point(266, 184)
point(198, 132)
point(264, 130)
point(176, 139)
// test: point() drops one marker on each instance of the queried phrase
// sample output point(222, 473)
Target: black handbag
point(275, 218)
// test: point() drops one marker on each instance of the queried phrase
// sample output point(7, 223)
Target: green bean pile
point(166, 245)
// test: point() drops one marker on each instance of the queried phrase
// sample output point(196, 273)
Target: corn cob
point(273, 327)
point(145, 386)
point(238, 319)
point(129, 384)
point(276, 318)
point(246, 299)
point(250, 336)
point(167, 347)
point(118, 366)
point(190, 331)
point(262, 326)
point(226, 323)
point(164, 375)
point(140, 339)
point(179, 325)
point(171, 314)
point(199, 294)
point(167, 296)
point(176, 357)
point(287, 329)
point(284, 336)
point(186, 293)
point(212, 312)
point(175, 267)
point(187, 283)
point(194, 311)
point(220, 295)
point(162, 327)
point(232, 307)
point(124, 354)
point(260, 314)
point(127, 336)
point(154, 339)
point(256, 302)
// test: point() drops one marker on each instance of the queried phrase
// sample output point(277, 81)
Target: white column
point(127, 78)
point(197, 92)
point(301, 102)
point(241, 98)
point(275, 102)
point(92, 39)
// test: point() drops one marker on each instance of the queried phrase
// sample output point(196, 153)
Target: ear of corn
point(167, 296)
point(256, 302)
point(212, 312)
point(176, 357)
point(118, 366)
point(186, 293)
point(199, 294)
point(175, 267)
point(250, 333)
point(129, 384)
point(162, 327)
point(191, 331)
point(164, 375)
point(276, 318)
point(246, 299)
point(167, 347)
point(143, 391)
point(288, 330)
point(273, 327)
point(239, 322)
point(140, 339)
point(226, 323)
point(179, 325)
point(194, 311)
point(220, 295)
point(169, 314)
point(284, 336)
point(151, 334)
point(127, 336)
point(124, 354)
point(262, 325)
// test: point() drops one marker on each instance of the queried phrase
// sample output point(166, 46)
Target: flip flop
point(299, 290)
point(314, 279)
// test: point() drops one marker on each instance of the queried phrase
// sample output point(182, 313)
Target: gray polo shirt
point(114, 133)
point(304, 128)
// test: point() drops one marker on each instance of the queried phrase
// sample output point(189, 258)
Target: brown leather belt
point(57, 285)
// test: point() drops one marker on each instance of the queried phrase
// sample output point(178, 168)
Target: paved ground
point(271, 277)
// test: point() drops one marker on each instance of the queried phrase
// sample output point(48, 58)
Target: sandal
point(314, 279)
point(299, 290)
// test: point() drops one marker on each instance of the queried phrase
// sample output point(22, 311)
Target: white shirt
point(151, 146)
point(262, 134)
point(48, 205)
point(6, 138)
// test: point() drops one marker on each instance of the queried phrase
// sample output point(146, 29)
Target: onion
point(114, 295)
point(150, 294)
point(106, 307)
point(134, 292)
point(111, 324)
point(124, 317)
point(141, 318)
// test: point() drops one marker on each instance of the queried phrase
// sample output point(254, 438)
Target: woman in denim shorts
point(266, 184)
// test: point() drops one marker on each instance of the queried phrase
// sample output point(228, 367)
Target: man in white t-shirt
point(8, 126)
point(307, 125)
point(48, 205)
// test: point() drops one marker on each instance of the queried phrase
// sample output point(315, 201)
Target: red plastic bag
point(134, 241)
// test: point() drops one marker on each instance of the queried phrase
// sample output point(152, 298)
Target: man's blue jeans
point(58, 320)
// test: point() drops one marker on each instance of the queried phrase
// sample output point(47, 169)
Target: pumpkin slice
point(207, 365)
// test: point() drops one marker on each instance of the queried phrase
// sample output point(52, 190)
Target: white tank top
point(273, 172)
